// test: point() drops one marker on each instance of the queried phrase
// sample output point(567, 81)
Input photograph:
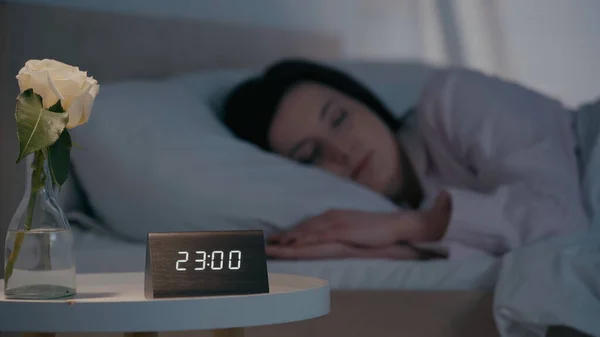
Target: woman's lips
point(361, 166)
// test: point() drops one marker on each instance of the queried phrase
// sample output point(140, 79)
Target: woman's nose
point(340, 161)
point(341, 154)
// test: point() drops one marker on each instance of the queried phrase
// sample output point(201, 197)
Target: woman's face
point(318, 125)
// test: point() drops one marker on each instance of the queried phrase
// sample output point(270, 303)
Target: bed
point(369, 298)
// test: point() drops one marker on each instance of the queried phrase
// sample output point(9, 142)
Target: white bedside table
point(116, 303)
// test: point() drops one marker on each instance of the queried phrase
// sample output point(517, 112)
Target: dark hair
point(250, 107)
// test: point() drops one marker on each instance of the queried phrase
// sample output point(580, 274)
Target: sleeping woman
point(479, 165)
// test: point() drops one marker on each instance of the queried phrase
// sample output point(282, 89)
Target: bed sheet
point(103, 253)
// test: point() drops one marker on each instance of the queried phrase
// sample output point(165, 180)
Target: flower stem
point(37, 182)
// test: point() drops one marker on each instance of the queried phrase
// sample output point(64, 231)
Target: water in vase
point(45, 267)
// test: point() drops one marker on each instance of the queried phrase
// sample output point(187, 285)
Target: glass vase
point(39, 258)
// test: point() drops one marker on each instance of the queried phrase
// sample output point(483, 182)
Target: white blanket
point(558, 282)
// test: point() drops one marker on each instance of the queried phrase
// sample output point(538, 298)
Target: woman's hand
point(366, 229)
point(349, 232)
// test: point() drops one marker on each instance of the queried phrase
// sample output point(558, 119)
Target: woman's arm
point(351, 233)
point(519, 145)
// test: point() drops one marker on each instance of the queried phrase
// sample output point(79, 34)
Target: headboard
point(119, 46)
point(115, 46)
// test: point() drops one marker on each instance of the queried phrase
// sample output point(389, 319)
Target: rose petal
point(75, 112)
point(70, 88)
point(54, 88)
point(38, 81)
point(23, 78)
point(79, 111)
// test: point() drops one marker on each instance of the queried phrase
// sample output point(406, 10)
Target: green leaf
point(57, 107)
point(59, 158)
point(37, 128)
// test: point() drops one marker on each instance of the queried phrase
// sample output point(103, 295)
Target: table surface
point(115, 302)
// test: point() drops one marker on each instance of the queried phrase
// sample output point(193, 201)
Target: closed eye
point(339, 117)
point(312, 158)
point(307, 153)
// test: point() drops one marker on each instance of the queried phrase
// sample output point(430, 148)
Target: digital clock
point(186, 264)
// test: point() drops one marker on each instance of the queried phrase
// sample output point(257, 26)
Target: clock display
point(205, 263)
point(214, 261)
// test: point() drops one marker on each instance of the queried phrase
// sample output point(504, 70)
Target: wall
point(554, 45)
point(369, 28)
point(8, 170)
point(550, 45)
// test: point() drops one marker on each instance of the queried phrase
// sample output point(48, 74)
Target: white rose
point(55, 80)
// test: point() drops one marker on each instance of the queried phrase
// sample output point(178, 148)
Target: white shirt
point(506, 155)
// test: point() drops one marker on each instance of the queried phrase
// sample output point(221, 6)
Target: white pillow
point(155, 158)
